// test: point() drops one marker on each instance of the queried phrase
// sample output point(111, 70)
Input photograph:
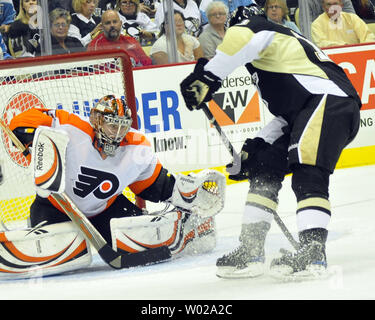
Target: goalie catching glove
point(202, 193)
point(199, 86)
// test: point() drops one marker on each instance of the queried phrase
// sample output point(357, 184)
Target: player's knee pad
point(310, 181)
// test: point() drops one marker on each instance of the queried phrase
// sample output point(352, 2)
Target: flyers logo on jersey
point(102, 184)
point(235, 107)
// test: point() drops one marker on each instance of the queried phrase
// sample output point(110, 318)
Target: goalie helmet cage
point(74, 83)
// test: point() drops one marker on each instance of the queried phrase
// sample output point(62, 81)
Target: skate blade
point(286, 274)
point(252, 270)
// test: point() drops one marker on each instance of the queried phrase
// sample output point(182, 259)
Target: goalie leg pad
point(182, 232)
point(42, 250)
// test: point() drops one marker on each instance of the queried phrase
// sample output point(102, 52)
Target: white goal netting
point(71, 82)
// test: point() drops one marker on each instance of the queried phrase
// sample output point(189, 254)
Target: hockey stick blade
point(110, 256)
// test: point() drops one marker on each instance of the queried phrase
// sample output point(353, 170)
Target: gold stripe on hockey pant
point(314, 203)
point(309, 142)
point(260, 201)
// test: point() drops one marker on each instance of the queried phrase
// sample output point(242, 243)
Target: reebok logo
point(102, 184)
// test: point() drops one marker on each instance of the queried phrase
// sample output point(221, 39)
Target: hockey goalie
point(100, 158)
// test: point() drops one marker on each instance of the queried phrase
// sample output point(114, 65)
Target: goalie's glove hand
point(199, 86)
point(202, 193)
point(249, 149)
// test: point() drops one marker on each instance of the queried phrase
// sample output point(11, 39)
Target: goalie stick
point(237, 167)
point(113, 258)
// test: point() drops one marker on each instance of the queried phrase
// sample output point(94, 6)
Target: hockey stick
point(111, 257)
point(237, 168)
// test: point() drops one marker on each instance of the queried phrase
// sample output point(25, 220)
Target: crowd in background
point(200, 25)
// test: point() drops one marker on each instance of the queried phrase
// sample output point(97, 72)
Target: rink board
point(185, 141)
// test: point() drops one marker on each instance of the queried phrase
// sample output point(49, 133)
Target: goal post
point(72, 82)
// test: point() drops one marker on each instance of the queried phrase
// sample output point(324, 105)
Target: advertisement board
point(184, 140)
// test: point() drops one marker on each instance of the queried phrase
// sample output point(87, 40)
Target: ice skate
point(309, 262)
point(247, 261)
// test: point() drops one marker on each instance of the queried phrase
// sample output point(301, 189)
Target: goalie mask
point(111, 120)
point(244, 13)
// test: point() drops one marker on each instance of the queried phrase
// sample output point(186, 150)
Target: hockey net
point(71, 82)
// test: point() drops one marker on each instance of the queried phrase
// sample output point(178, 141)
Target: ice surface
point(350, 252)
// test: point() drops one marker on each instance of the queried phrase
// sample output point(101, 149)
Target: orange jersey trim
point(31, 118)
point(69, 118)
point(135, 138)
point(139, 186)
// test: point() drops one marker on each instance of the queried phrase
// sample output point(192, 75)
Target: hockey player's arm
point(240, 46)
point(253, 147)
point(24, 124)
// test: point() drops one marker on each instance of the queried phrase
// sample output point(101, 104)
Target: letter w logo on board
point(224, 106)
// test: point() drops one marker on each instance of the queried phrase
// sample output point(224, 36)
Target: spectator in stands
point(23, 34)
point(7, 15)
point(335, 27)
point(112, 38)
point(365, 10)
point(149, 7)
point(4, 50)
point(231, 4)
point(189, 9)
point(277, 11)
point(59, 23)
point(188, 46)
point(213, 34)
point(309, 10)
point(135, 23)
point(85, 25)
point(105, 5)
point(63, 4)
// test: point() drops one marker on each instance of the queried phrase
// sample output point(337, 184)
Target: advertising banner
point(184, 140)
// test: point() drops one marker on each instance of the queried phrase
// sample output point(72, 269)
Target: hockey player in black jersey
point(316, 113)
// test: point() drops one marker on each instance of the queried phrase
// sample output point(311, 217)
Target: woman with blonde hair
point(85, 25)
point(188, 47)
point(277, 11)
point(23, 34)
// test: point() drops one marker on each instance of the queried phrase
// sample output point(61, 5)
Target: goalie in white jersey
point(106, 155)
point(316, 111)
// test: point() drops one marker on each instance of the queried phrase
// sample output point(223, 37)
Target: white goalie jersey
point(91, 182)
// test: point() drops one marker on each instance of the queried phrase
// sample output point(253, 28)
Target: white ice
point(350, 252)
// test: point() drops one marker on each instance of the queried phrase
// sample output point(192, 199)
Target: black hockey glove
point(199, 86)
point(249, 149)
point(25, 135)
